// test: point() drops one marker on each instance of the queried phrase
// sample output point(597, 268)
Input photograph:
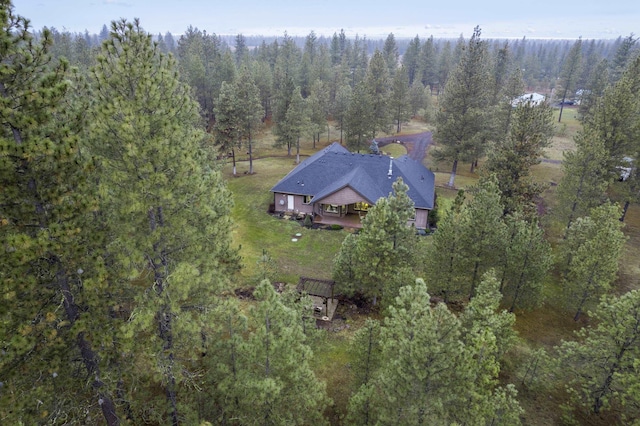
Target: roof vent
point(390, 168)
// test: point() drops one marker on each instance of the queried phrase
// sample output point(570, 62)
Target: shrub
point(308, 222)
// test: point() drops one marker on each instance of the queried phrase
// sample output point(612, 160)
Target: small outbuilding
point(322, 294)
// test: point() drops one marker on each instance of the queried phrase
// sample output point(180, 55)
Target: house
point(336, 186)
point(625, 168)
point(533, 98)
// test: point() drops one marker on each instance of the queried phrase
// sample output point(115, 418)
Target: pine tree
point(238, 115)
point(340, 106)
point(241, 51)
point(383, 251)
point(482, 233)
point(263, 78)
point(445, 262)
point(594, 89)
point(345, 265)
point(437, 369)
point(511, 161)
point(226, 128)
point(390, 54)
point(428, 73)
point(487, 334)
point(601, 365)
point(358, 118)
point(377, 82)
point(51, 279)
point(585, 177)
point(276, 383)
point(419, 99)
point(296, 122)
point(592, 250)
point(623, 55)
point(614, 118)
point(421, 356)
point(204, 66)
point(318, 103)
point(222, 389)
point(399, 99)
point(527, 261)
point(285, 77)
point(410, 59)
point(571, 69)
point(166, 208)
point(445, 64)
point(461, 118)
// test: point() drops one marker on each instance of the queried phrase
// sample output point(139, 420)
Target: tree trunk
point(624, 210)
point(516, 293)
point(598, 402)
point(233, 156)
point(476, 268)
point(574, 206)
point(454, 169)
point(579, 311)
point(250, 156)
point(88, 355)
point(561, 108)
point(564, 97)
point(298, 151)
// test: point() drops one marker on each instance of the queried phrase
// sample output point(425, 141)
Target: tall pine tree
point(167, 210)
point(51, 279)
point(461, 117)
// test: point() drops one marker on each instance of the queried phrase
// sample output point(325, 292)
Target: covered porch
point(349, 220)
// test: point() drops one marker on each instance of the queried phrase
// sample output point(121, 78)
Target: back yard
point(313, 252)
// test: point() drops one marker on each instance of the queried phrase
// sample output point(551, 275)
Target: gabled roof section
point(334, 168)
point(358, 180)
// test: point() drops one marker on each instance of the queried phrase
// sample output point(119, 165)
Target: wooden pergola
point(323, 289)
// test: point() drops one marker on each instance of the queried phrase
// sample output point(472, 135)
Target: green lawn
point(256, 230)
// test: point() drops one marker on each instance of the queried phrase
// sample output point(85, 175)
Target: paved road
point(415, 144)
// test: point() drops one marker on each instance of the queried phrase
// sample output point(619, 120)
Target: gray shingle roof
point(334, 168)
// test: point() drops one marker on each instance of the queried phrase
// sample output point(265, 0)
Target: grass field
point(312, 255)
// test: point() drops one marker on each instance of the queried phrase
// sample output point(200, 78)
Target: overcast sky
point(563, 19)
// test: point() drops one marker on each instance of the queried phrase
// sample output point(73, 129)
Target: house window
point(332, 208)
point(361, 206)
point(307, 199)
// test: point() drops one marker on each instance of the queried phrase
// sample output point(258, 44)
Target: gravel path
point(416, 144)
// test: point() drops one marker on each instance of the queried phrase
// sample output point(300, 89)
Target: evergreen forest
point(145, 281)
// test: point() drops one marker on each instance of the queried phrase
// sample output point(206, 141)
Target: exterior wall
point(346, 196)
point(280, 202)
point(342, 198)
point(421, 218)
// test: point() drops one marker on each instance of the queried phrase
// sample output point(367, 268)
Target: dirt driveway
point(416, 144)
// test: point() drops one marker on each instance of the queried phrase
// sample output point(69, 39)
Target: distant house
point(534, 98)
point(625, 168)
point(336, 186)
